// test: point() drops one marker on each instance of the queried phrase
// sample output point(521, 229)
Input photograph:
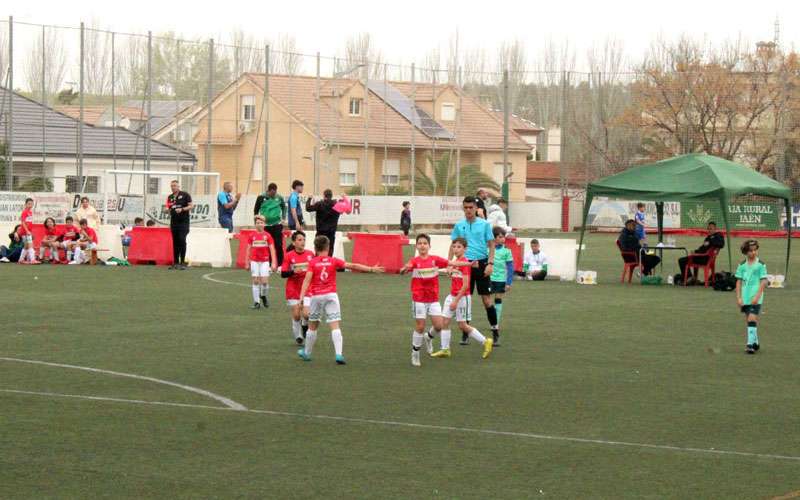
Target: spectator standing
point(296, 222)
point(327, 217)
point(226, 204)
point(179, 204)
point(641, 229)
point(272, 206)
point(480, 203)
point(88, 212)
point(497, 215)
point(405, 218)
point(26, 233)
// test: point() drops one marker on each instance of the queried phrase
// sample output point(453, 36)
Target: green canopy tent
point(689, 177)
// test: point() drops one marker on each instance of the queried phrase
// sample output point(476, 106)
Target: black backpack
point(724, 282)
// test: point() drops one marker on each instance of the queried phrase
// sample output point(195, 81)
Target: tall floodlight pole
point(80, 110)
point(413, 166)
point(209, 128)
point(506, 118)
point(265, 158)
point(319, 131)
point(44, 103)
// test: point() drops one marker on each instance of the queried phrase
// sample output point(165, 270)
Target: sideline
point(208, 276)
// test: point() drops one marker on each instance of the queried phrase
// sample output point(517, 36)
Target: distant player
point(502, 270)
point(87, 241)
point(320, 284)
point(49, 242)
point(69, 237)
point(294, 267)
point(261, 261)
point(751, 280)
point(424, 270)
point(641, 229)
point(26, 232)
point(459, 303)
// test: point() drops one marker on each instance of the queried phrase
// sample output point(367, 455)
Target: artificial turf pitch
point(617, 367)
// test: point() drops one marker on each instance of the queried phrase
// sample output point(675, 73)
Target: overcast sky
point(406, 30)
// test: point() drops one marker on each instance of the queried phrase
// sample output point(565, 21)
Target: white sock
point(77, 255)
point(255, 293)
point(432, 333)
point(297, 330)
point(303, 320)
point(476, 335)
point(336, 336)
point(416, 339)
point(445, 339)
point(311, 337)
point(41, 252)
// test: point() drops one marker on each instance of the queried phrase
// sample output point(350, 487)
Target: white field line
point(208, 277)
point(430, 427)
point(227, 402)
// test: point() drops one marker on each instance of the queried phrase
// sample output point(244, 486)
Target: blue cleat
point(303, 355)
point(340, 360)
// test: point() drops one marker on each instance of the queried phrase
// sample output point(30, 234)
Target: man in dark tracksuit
point(715, 239)
point(179, 204)
point(327, 217)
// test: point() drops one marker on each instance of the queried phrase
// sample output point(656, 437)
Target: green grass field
point(610, 391)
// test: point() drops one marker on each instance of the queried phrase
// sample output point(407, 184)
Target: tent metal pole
point(788, 236)
point(586, 205)
point(724, 206)
point(660, 220)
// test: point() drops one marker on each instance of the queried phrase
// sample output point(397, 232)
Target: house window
point(391, 173)
point(448, 112)
point(91, 184)
point(248, 108)
point(355, 106)
point(348, 172)
point(153, 185)
point(258, 169)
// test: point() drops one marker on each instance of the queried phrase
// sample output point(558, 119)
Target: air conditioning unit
point(246, 127)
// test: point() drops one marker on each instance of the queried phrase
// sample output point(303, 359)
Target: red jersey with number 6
point(297, 263)
point(259, 243)
point(323, 270)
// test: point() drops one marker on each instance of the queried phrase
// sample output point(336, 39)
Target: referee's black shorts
point(479, 280)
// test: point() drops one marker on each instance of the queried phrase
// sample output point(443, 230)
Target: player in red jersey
point(260, 253)
point(69, 237)
point(459, 303)
point(26, 233)
point(87, 241)
point(294, 267)
point(49, 241)
point(320, 283)
point(425, 295)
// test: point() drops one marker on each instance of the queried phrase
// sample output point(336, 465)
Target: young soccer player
point(424, 295)
point(640, 217)
point(49, 241)
point(294, 267)
point(87, 241)
point(751, 280)
point(320, 284)
point(502, 269)
point(261, 260)
point(69, 237)
point(459, 302)
point(26, 232)
point(535, 262)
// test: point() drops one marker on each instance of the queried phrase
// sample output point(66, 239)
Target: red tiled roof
point(547, 173)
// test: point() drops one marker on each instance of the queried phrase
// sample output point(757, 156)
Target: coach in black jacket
point(327, 217)
point(715, 239)
point(628, 241)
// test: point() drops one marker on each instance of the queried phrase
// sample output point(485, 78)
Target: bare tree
point(454, 59)
point(97, 60)
point(54, 64)
point(132, 65)
point(431, 66)
point(476, 64)
point(3, 52)
point(287, 60)
point(360, 49)
point(248, 53)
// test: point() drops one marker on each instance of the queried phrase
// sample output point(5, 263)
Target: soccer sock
point(430, 333)
point(498, 306)
point(336, 336)
point(264, 290)
point(416, 340)
point(69, 255)
point(491, 315)
point(311, 337)
point(445, 339)
point(255, 293)
point(41, 253)
point(752, 332)
point(476, 335)
point(297, 330)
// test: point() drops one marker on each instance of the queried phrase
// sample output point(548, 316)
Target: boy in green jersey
point(502, 269)
point(751, 280)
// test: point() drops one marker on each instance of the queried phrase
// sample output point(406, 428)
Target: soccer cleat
point(428, 343)
point(750, 349)
point(255, 305)
point(264, 301)
point(299, 340)
point(464, 339)
point(487, 348)
point(443, 353)
point(302, 353)
point(340, 360)
point(415, 358)
point(496, 338)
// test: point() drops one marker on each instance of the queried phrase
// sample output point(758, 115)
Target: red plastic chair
point(631, 261)
point(709, 267)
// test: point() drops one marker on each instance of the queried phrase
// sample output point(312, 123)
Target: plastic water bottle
point(670, 280)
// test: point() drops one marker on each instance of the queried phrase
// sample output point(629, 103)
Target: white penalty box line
point(426, 427)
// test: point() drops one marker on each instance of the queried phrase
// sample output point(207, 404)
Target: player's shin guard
point(264, 290)
point(498, 306)
point(445, 339)
point(311, 337)
point(491, 315)
point(338, 341)
point(297, 330)
point(477, 336)
point(752, 333)
point(256, 293)
point(416, 340)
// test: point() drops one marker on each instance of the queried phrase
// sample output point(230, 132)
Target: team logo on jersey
point(300, 266)
point(430, 272)
point(259, 243)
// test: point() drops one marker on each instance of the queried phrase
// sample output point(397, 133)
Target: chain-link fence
point(87, 100)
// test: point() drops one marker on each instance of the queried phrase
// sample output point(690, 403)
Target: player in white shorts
point(459, 304)
point(424, 270)
point(261, 261)
point(294, 267)
point(320, 283)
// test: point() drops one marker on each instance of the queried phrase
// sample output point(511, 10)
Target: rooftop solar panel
point(406, 107)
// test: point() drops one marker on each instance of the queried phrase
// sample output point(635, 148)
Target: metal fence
point(88, 99)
